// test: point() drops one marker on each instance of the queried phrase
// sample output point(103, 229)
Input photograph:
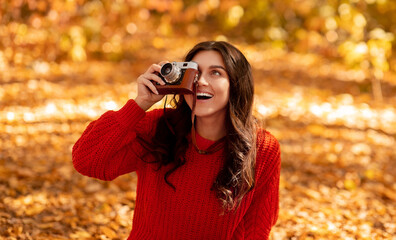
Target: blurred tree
point(358, 32)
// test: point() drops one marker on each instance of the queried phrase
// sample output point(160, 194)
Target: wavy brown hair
point(236, 178)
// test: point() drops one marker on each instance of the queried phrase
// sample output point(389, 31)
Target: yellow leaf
point(108, 232)
point(80, 235)
point(349, 184)
point(131, 195)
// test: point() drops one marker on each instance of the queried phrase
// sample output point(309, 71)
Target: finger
point(155, 78)
point(154, 68)
point(140, 78)
point(151, 86)
point(152, 77)
point(157, 67)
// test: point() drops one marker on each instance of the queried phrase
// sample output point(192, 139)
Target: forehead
point(207, 58)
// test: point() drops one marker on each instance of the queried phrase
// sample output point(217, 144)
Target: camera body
point(179, 78)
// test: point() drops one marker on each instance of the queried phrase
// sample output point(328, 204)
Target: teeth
point(207, 95)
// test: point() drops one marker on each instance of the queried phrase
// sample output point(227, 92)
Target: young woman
point(216, 179)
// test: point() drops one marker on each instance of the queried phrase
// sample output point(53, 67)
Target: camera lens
point(170, 72)
point(166, 69)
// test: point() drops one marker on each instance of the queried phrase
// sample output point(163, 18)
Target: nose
point(202, 81)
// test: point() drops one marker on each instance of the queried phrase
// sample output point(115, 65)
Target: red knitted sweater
point(108, 149)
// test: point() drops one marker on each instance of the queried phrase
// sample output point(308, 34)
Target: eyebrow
point(218, 66)
point(214, 66)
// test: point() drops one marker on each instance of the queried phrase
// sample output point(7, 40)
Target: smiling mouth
point(204, 96)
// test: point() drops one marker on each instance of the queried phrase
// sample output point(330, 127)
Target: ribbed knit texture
point(108, 149)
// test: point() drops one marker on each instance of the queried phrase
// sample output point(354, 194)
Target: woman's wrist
point(142, 103)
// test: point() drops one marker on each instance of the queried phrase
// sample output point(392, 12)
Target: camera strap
point(215, 146)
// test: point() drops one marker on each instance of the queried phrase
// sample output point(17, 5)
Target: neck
point(210, 128)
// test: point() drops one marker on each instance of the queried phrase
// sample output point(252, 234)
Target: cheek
point(224, 90)
point(227, 95)
point(225, 99)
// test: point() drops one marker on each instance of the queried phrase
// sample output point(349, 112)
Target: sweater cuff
point(130, 114)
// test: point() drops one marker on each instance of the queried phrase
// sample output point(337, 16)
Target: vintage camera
point(179, 78)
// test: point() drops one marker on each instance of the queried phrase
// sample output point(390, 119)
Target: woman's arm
point(108, 147)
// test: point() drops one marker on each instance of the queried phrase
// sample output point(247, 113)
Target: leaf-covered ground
point(338, 149)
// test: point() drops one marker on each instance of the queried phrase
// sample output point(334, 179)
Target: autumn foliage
point(325, 87)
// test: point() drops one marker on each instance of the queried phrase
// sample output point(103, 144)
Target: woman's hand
point(147, 92)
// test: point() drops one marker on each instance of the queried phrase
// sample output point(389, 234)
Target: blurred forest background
point(325, 73)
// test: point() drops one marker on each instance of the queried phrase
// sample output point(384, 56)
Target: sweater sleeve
point(262, 213)
point(108, 147)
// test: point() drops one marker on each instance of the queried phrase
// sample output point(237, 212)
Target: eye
point(215, 72)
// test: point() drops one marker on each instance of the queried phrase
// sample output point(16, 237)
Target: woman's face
point(213, 85)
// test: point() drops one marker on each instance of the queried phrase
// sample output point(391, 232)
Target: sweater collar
point(203, 143)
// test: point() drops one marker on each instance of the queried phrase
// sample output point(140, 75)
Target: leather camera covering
point(186, 85)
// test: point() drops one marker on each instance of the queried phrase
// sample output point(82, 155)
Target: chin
point(206, 113)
